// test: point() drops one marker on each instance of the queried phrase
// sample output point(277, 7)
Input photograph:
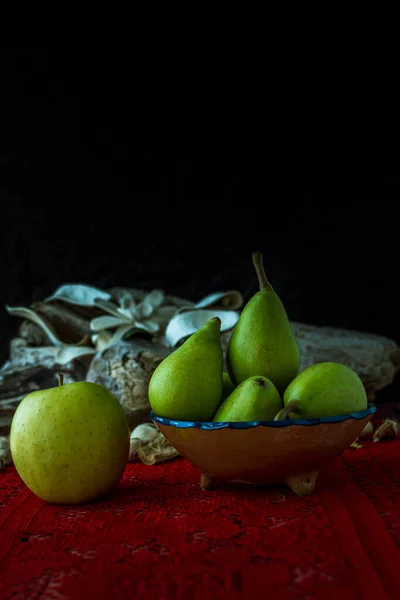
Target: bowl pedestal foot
point(302, 484)
point(207, 482)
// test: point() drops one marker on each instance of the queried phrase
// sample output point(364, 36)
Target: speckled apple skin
point(326, 389)
point(70, 444)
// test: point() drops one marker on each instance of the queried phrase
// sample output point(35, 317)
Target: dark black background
point(114, 175)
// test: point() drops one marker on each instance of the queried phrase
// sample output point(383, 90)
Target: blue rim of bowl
point(249, 424)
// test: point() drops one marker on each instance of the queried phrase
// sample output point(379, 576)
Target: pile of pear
point(262, 382)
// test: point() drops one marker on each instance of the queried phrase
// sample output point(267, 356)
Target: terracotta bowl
point(264, 452)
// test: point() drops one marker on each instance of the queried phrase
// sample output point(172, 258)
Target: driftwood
point(126, 367)
point(375, 358)
point(30, 368)
point(70, 325)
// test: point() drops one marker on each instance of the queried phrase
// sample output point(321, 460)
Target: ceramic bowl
point(264, 452)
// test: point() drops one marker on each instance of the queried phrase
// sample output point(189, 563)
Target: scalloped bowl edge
point(211, 425)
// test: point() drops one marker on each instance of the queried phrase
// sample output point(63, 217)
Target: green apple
point(70, 444)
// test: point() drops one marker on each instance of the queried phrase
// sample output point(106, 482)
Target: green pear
point(326, 389)
point(70, 444)
point(187, 384)
point(227, 385)
point(255, 399)
point(262, 342)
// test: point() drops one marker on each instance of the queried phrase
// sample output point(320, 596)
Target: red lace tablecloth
point(161, 537)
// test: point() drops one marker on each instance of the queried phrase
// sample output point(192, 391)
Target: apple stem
point(284, 413)
point(60, 379)
point(259, 267)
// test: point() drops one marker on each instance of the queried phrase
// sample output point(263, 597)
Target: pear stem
point(259, 267)
point(283, 414)
point(60, 379)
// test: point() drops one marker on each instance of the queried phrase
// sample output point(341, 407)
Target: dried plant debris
point(355, 445)
point(64, 352)
point(141, 435)
point(32, 334)
point(74, 327)
point(80, 320)
point(367, 431)
point(387, 429)
point(150, 445)
point(147, 445)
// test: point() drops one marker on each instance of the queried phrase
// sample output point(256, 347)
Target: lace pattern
point(159, 536)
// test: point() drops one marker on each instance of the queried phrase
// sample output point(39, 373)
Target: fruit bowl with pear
point(261, 422)
point(70, 444)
